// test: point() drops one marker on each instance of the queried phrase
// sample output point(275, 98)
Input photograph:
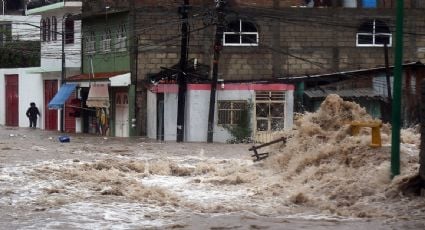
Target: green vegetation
point(19, 54)
point(242, 131)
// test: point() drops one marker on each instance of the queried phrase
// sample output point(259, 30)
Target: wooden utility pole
point(218, 45)
point(182, 81)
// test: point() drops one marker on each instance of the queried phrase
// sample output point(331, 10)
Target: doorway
point(121, 115)
point(160, 117)
point(12, 100)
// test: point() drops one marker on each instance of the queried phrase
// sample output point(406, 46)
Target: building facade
point(60, 35)
point(19, 54)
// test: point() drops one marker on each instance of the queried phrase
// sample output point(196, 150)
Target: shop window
point(373, 33)
point(240, 33)
point(230, 112)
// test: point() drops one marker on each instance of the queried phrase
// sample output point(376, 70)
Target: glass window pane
point(262, 110)
point(381, 27)
point(231, 39)
point(262, 125)
point(249, 39)
point(365, 39)
point(277, 110)
point(248, 27)
point(382, 39)
point(366, 27)
point(277, 124)
point(233, 26)
point(224, 117)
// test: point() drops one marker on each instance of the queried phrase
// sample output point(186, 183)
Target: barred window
point(121, 39)
point(90, 42)
point(106, 41)
point(230, 112)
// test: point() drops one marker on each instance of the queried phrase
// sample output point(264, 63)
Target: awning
point(120, 80)
point(98, 96)
point(61, 96)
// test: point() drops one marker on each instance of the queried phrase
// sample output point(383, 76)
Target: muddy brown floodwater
point(322, 178)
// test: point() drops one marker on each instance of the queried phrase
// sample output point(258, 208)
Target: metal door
point(12, 100)
point(121, 115)
point(50, 115)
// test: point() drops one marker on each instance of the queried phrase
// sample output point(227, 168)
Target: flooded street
point(113, 183)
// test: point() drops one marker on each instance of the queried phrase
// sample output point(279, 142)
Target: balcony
point(40, 3)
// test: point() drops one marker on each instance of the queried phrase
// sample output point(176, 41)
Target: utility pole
point(387, 109)
point(62, 112)
point(218, 45)
point(182, 81)
point(396, 104)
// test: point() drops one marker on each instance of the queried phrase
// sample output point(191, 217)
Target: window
point(90, 42)
point(373, 33)
point(106, 41)
point(43, 30)
point(5, 33)
point(230, 112)
point(69, 31)
point(48, 29)
point(54, 29)
point(240, 33)
point(121, 42)
point(270, 110)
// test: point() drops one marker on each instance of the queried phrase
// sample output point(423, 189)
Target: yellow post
point(376, 131)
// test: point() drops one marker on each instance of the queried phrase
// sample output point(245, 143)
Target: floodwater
point(322, 178)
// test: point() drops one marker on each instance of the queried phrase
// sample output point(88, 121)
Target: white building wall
point(28, 92)
point(51, 51)
point(151, 115)
point(24, 28)
point(289, 109)
point(196, 121)
point(197, 109)
point(170, 116)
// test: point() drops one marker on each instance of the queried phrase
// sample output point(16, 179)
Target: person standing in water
point(32, 113)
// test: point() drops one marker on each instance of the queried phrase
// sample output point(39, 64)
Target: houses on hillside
point(123, 63)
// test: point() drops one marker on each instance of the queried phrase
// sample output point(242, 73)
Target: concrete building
point(20, 53)
point(263, 42)
point(60, 34)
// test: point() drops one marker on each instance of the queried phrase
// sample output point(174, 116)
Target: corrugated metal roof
point(341, 75)
point(344, 93)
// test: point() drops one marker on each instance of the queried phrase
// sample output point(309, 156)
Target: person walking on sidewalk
point(32, 113)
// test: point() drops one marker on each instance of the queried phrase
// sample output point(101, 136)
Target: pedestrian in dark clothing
point(32, 113)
